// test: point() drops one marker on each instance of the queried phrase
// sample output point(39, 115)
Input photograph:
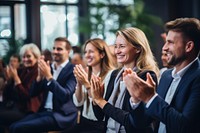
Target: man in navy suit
point(57, 110)
point(175, 103)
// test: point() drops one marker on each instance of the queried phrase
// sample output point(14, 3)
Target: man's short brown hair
point(64, 39)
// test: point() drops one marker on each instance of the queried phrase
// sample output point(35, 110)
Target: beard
point(176, 60)
point(57, 58)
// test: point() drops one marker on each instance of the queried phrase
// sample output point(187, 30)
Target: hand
point(138, 88)
point(14, 75)
point(81, 76)
point(39, 76)
point(96, 89)
point(7, 73)
point(44, 69)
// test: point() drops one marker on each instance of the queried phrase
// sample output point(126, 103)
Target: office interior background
point(40, 21)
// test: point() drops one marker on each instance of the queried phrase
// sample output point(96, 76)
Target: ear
point(137, 50)
point(102, 55)
point(189, 46)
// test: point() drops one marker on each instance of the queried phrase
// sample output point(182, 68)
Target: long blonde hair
point(106, 62)
point(137, 38)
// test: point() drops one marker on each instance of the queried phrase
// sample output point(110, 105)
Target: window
point(58, 18)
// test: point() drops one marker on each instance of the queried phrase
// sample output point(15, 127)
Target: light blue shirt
point(56, 72)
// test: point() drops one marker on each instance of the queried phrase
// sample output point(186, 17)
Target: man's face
point(175, 48)
point(14, 62)
point(60, 53)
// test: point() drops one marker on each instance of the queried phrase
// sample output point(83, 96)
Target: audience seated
point(56, 83)
point(17, 102)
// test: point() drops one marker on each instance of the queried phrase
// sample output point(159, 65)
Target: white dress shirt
point(56, 72)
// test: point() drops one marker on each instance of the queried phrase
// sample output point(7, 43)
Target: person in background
point(77, 59)
point(15, 61)
point(17, 102)
point(57, 84)
point(2, 75)
point(47, 55)
point(175, 103)
point(164, 58)
point(133, 52)
point(99, 62)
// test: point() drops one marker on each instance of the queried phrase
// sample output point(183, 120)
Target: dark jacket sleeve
point(99, 114)
point(124, 115)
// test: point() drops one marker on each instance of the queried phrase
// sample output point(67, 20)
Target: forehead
point(61, 44)
point(90, 46)
point(14, 58)
point(173, 35)
point(120, 40)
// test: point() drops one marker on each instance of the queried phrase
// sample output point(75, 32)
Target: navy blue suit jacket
point(183, 114)
point(64, 111)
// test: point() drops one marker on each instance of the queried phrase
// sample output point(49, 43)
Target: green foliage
point(135, 15)
point(14, 47)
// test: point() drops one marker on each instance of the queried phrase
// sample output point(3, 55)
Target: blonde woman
point(133, 52)
point(99, 62)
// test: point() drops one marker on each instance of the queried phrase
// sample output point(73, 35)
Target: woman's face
point(125, 52)
point(92, 55)
point(29, 59)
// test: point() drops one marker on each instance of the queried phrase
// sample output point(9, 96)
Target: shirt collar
point(61, 65)
point(180, 73)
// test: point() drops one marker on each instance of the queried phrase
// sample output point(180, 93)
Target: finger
point(150, 80)
point(48, 63)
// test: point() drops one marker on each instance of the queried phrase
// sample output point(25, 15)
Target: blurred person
point(164, 58)
point(17, 102)
point(47, 55)
point(133, 52)
point(77, 59)
point(2, 79)
point(174, 104)
point(99, 61)
point(15, 61)
point(56, 82)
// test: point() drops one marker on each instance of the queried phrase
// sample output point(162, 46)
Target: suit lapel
point(63, 72)
point(110, 86)
point(187, 76)
point(164, 84)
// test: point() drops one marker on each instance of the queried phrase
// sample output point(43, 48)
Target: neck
point(130, 65)
point(96, 69)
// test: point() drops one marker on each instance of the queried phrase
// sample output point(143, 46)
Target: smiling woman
point(99, 61)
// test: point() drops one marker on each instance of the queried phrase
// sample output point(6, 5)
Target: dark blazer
point(64, 111)
point(183, 114)
point(122, 115)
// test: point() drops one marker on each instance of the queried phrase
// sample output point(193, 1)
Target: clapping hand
point(44, 69)
point(97, 89)
point(81, 76)
point(137, 87)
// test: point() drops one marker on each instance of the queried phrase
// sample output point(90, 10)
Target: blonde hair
point(137, 38)
point(32, 47)
point(106, 62)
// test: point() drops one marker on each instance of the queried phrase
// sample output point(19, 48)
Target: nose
point(117, 50)
point(165, 47)
point(86, 55)
point(55, 51)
